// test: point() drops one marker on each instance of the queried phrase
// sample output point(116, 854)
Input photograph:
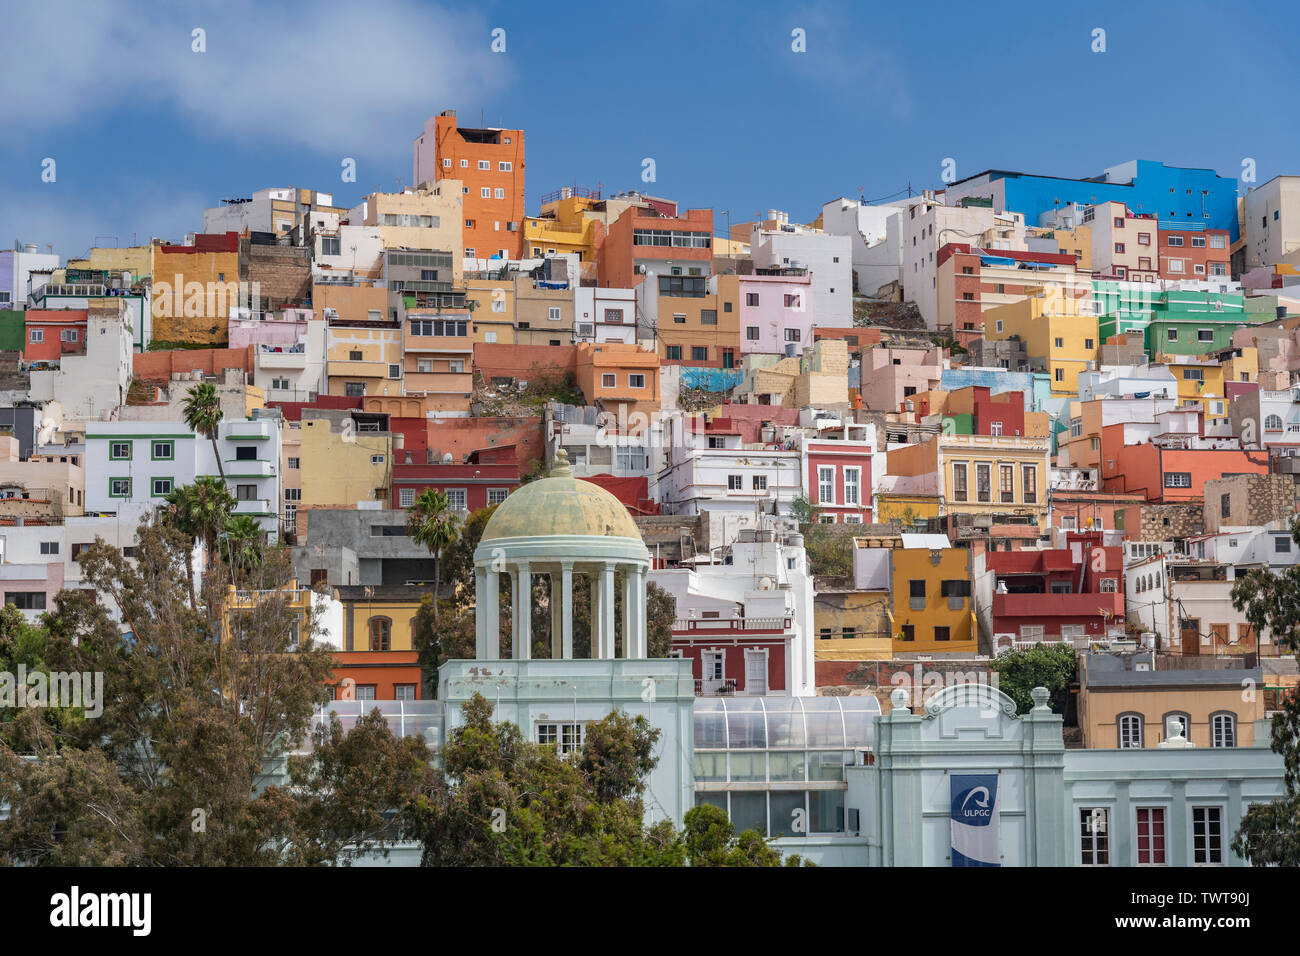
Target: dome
point(560, 505)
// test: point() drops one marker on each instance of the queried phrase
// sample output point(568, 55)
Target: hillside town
point(765, 482)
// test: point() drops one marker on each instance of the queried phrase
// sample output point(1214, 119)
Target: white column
point(523, 629)
point(566, 609)
point(491, 601)
point(607, 610)
point(480, 614)
point(556, 614)
point(594, 589)
point(642, 618)
point(629, 613)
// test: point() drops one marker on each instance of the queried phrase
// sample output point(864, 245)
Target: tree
point(174, 771)
point(804, 510)
point(432, 523)
point(710, 840)
point(1043, 665)
point(952, 345)
point(458, 558)
point(245, 543)
point(201, 411)
point(1270, 832)
point(198, 510)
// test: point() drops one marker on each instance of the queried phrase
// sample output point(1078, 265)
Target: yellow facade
point(137, 260)
point(365, 355)
point(905, 508)
point(399, 612)
point(853, 626)
point(562, 228)
point(1058, 333)
point(341, 466)
point(1075, 242)
point(1199, 383)
point(1243, 367)
point(193, 294)
point(395, 214)
point(926, 619)
point(494, 309)
point(1017, 474)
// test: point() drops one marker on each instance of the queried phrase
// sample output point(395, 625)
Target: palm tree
point(244, 543)
point(202, 413)
point(432, 523)
point(950, 343)
point(199, 510)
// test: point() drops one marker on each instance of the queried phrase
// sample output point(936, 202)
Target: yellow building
point(344, 459)
point(934, 612)
point(1075, 242)
point(297, 601)
point(421, 219)
point(380, 621)
point(194, 289)
point(563, 227)
point(1200, 382)
point(1059, 334)
point(364, 359)
point(493, 309)
point(907, 509)
point(137, 260)
point(852, 625)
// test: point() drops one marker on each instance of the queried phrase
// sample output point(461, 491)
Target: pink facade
point(891, 375)
point(286, 328)
point(717, 649)
point(845, 469)
point(776, 314)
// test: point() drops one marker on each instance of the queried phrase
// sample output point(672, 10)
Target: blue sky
point(146, 133)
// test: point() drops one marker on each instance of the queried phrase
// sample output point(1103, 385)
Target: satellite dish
point(765, 583)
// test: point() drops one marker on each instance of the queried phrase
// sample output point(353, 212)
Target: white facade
point(352, 249)
point(1116, 381)
point(730, 477)
point(605, 315)
point(929, 225)
point(89, 386)
point(22, 262)
point(1272, 215)
point(829, 258)
point(135, 465)
point(875, 236)
point(293, 373)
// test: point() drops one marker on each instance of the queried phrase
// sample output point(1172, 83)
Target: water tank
point(29, 247)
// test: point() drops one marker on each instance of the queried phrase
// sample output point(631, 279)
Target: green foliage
point(458, 557)
point(804, 509)
point(201, 411)
point(710, 840)
point(829, 551)
point(1270, 832)
point(1044, 665)
point(432, 523)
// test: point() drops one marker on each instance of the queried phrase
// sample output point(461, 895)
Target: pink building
point(776, 313)
point(838, 467)
point(889, 376)
point(287, 327)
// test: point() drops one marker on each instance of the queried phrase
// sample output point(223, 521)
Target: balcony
point(733, 625)
point(248, 431)
point(349, 369)
point(724, 687)
point(254, 506)
point(1058, 605)
point(248, 469)
point(288, 358)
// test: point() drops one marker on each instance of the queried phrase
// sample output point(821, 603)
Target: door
point(755, 672)
point(712, 669)
point(1190, 633)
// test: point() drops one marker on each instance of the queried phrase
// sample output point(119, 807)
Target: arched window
point(1157, 579)
point(1130, 731)
point(381, 634)
point(1273, 423)
point(1223, 729)
point(1182, 719)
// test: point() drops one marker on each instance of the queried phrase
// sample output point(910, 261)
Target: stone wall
point(1252, 500)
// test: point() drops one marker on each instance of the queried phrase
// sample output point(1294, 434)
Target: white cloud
point(354, 78)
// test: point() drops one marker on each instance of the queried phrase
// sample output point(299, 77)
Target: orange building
point(350, 303)
point(639, 242)
point(490, 165)
point(620, 378)
point(1161, 471)
point(52, 333)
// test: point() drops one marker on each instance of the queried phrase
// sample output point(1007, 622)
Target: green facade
point(13, 330)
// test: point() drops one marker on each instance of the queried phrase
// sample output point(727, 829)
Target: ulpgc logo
point(976, 806)
point(976, 837)
point(76, 909)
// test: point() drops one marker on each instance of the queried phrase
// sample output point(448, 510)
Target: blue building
point(1180, 198)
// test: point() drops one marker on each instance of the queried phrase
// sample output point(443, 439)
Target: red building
point(1194, 254)
point(1075, 592)
point(838, 475)
point(485, 477)
point(669, 245)
point(52, 333)
point(738, 655)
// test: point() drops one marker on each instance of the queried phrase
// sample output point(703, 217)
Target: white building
point(1116, 381)
point(16, 268)
point(89, 385)
point(605, 315)
point(741, 607)
point(876, 238)
point(1272, 218)
point(130, 465)
point(707, 467)
point(293, 372)
point(828, 257)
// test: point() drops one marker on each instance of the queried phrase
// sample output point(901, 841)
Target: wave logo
point(976, 805)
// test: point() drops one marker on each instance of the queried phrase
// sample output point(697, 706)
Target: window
point(708, 317)
point(119, 487)
point(354, 355)
point(1060, 342)
point(446, 163)
point(26, 600)
point(49, 547)
point(608, 380)
point(1108, 585)
point(394, 371)
point(1119, 248)
point(1173, 240)
point(354, 389)
point(941, 634)
point(293, 494)
point(793, 335)
point(1130, 731)
point(852, 482)
point(759, 482)
point(1207, 835)
point(497, 495)
point(485, 192)
point(983, 483)
point(566, 738)
point(499, 193)
point(825, 485)
point(505, 167)
point(455, 328)
point(456, 499)
point(403, 692)
point(1151, 836)
point(245, 453)
point(1273, 423)
point(553, 313)
point(751, 333)
point(995, 428)
point(1178, 479)
point(245, 492)
point(381, 634)
point(959, 490)
point(1007, 483)
point(679, 318)
point(68, 335)
point(1184, 723)
point(162, 487)
point(1144, 238)
point(1087, 343)
point(637, 380)
point(1223, 730)
point(792, 301)
point(699, 353)
point(280, 383)
point(376, 459)
point(1282, 545)
point(1218, 242)
point(119, 451)
point(908, 632)
point(1093, 836)
point(751, 299)
point(424, 365)
point(1029, 478)
point(1060, 375)
point(484, 164)
point(615, 317)
point(37, 335)
point(735, 482)
point(955, 587)
point(405, 497)
point(673, 353)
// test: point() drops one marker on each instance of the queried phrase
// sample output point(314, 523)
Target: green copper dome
point(560, 505)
